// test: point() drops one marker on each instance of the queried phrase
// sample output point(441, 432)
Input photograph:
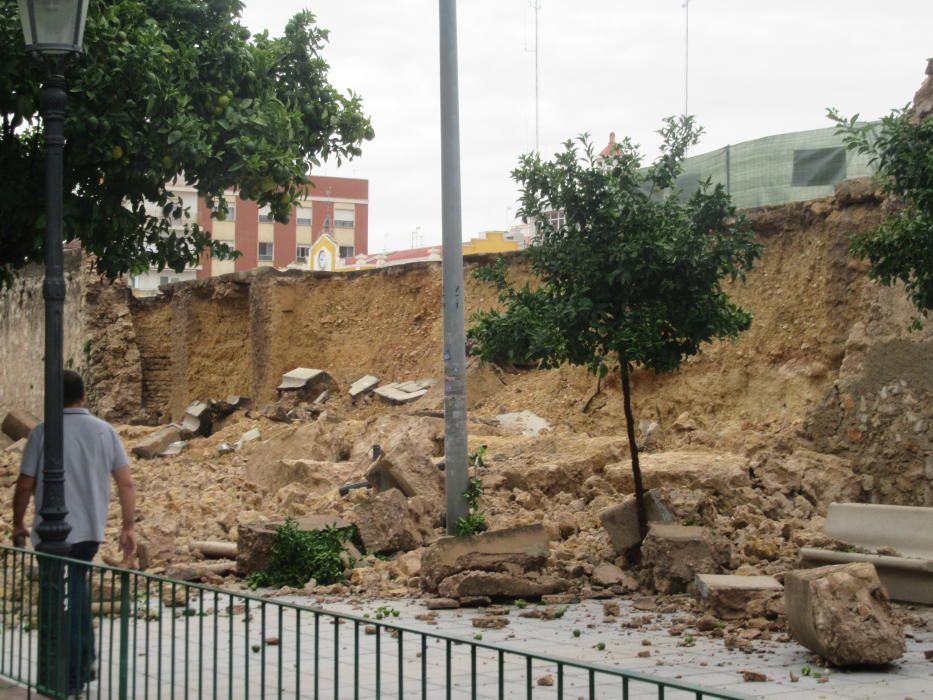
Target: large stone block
point(254, 540)
point(197, 420)
point(389, 522)
point(157, 442)
point(411, 471)
point(514, 550)
point(728, 597)
point(621, 521)
point(673, 555)
point(18, 424)
point(843, 614)
point(494, 584)
point(363, 386)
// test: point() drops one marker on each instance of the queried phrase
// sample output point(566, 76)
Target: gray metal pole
point(455, 418)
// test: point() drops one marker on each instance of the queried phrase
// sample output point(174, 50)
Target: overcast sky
point(757, 67)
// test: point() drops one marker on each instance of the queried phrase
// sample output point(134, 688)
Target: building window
point(303, 215)
point(556, 219)
point(163, 280)
point(265, 215)
point(344, 218)
point(346, 251)
point(302, 252)
point(231, 210)
point(266, 251)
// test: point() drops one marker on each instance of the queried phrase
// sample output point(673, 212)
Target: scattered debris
point(363, 386)
point(18, 424)
point(157, 442)
point(621, 521)
point(404, 392)
point(312, 381)
point(491, 622)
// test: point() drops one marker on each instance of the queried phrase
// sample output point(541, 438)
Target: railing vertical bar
point(124, 634)
point(7, 603)
point(298, 653)
point(660, 691)
point(625, 688)
point(356, 660)
point(216, 643)
point(529, 689)
point(100, 627)
point(32, 597)
point(501, 675)
point(246, 650)
point(378, 662)
point(401, 666)
point(160, 603)
point(281, 645)
point(560, 682)
point(171, 672)
point(424, 667)
point(113, 596)
point(317, 654)
point(187, 615)
point(135, 633)
point(262, 651)
point(448, 674)
point(201, 646)
point(148, 620)
point(24, 613)
point(592, 684)
point(472, 672)
point(230, 615)
point(336, 623)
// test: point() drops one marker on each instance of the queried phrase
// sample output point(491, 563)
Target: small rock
point(546, 680)
point(754, 677)
point(491, 622)
point(441, 604)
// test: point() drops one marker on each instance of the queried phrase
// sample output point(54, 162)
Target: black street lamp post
point(53, 31)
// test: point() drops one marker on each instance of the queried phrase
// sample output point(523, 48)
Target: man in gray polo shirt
point(93, 454)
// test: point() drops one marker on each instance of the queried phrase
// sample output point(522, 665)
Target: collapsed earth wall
point(829, 357)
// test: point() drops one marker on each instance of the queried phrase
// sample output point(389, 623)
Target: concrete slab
point(417, 385)
point(392, 394)
point(363, 385)
point(300, 377)
point(727, 596)
point(906, 529)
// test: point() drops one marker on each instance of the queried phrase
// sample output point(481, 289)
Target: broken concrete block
point(607, 574)
point(728, 597)
point(363, 385)
point(248, 436)
point(621, 521)
point(18, 424)
point(843, 614)
point(441, 604)
point(313, 381)
point(495, 584)
point(410, 471)
point(173, 449)
point(672, 556)
point(390, 393)
point(224, 407)
point(16, 447)
point(417, 385)
point(513, 550)
point(389, 522)
point(156, 442)
point(197, 420)
point(254, 540)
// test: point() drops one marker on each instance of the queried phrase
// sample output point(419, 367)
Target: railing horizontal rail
point(151, 636)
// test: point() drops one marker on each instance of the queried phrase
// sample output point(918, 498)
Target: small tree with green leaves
point(634, 273)
point(901, 248)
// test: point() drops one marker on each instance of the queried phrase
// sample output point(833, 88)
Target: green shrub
point(299, 556)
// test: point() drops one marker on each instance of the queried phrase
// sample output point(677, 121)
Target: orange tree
point(633, 274)
point(165, 88)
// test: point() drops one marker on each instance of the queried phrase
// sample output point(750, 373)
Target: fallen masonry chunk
point(225, 448)
point(391, 393)
point(843, 614)
point(754, 677)
point(417, 385)
point(224, 407)
point(18, 424)
point(254, 540)
point(175, 448)
point(672, 555)
point(157, 442)
point(441, 604)
point(389, 522)
point(216, 550)
point(197, 419)
point(490, 622)
point(607, 575)
point(493, 584)
point(363, 385)
point(559, 599)
point(248, 436)
point(727, 597)
point(304, 378)
point(410, 471)
point(621, 521)
point(513, 550)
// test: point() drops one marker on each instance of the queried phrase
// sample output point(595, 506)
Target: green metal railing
point(159, 638)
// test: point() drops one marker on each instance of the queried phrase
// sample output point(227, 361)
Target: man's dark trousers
point(81, 635)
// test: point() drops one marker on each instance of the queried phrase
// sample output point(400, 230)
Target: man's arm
point(25, 485)
point(126, 492)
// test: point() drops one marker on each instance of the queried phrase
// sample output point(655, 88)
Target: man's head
point(74, 389)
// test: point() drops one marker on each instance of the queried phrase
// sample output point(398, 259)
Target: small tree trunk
point(633, 446)
point(599, 390)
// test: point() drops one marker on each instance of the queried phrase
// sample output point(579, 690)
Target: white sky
point(757, 67)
